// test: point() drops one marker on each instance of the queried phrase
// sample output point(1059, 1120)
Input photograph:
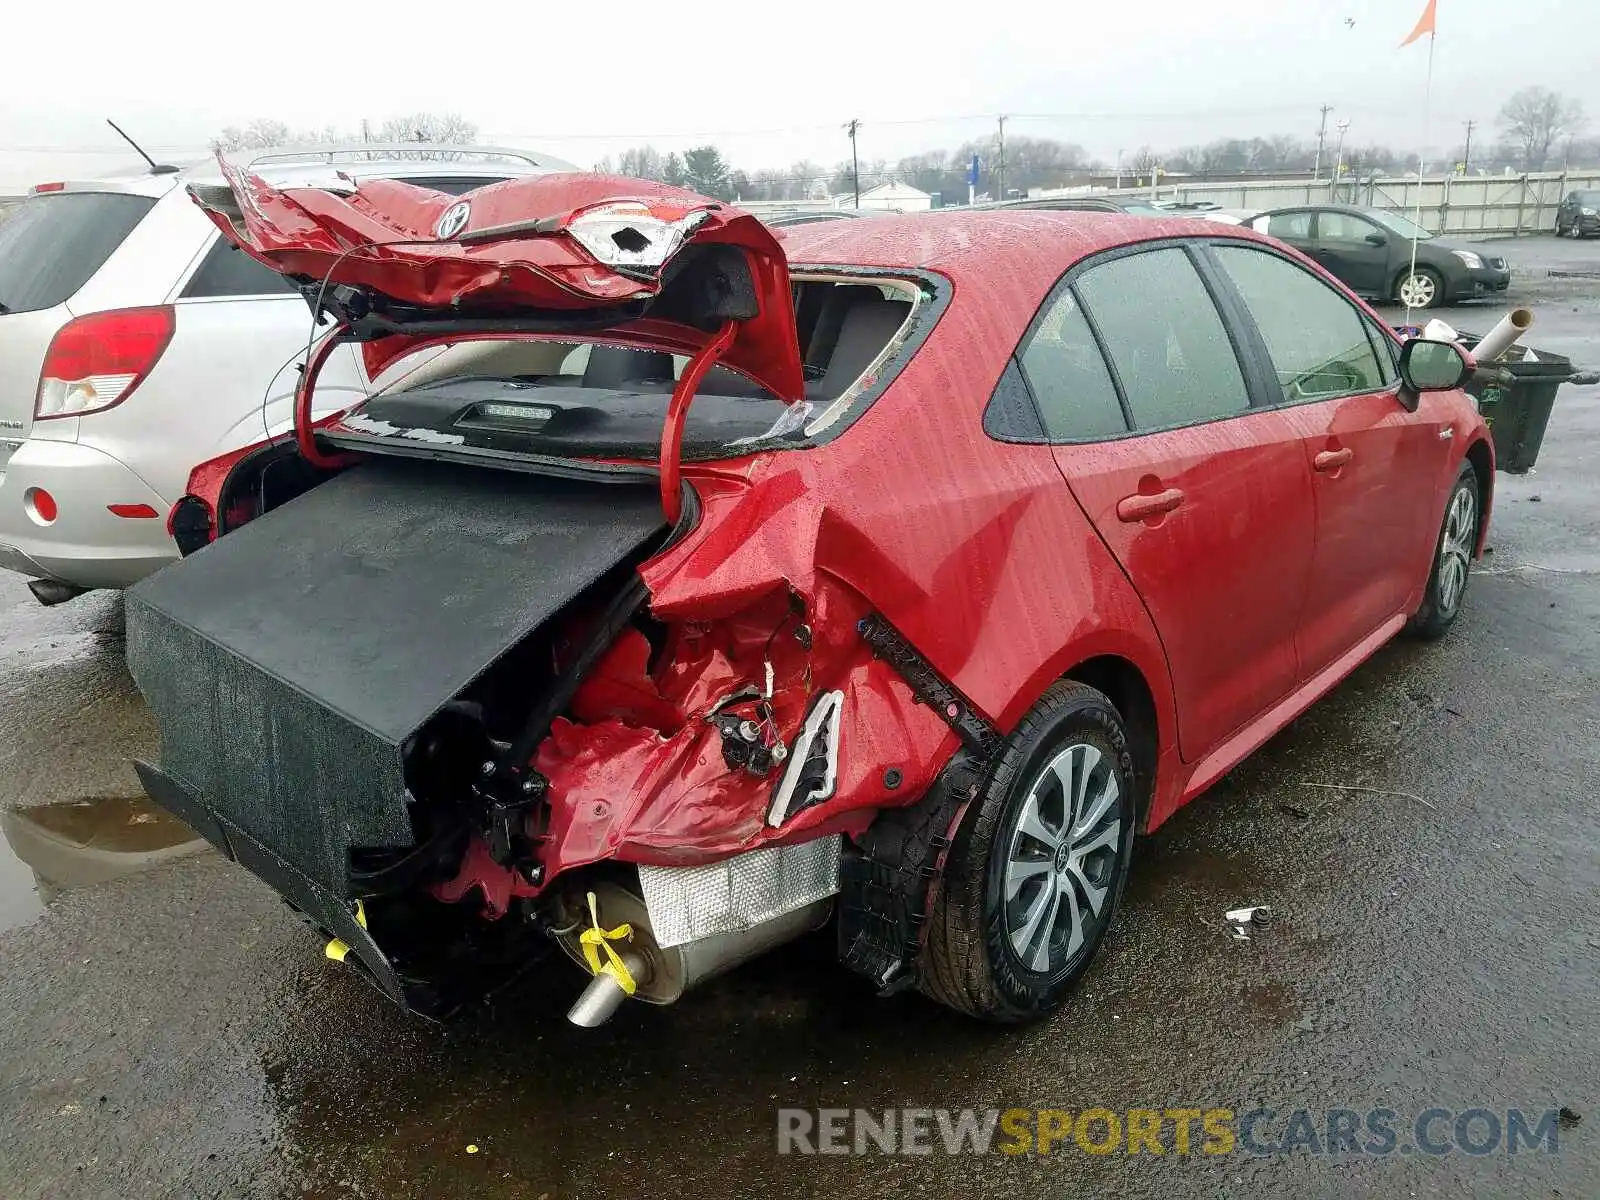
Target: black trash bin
point(1517, 412)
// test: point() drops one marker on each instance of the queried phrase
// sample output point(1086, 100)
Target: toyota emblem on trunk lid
point(453, 221)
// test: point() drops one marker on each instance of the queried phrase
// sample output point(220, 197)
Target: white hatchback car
point(136, 343)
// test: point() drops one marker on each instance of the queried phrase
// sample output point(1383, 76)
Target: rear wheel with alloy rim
point(1452, 560)
point(1037, 870)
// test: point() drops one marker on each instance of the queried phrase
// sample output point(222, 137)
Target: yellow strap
point(338, 949)
point(595, 940)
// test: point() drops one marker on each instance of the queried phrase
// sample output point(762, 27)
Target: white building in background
point(889, 197)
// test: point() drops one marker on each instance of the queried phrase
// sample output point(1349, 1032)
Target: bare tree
point(641, 162)
point(262, 133)
point(428, 127)
point(1535, 119)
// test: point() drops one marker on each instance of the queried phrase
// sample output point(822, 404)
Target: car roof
point(1014, 256)
point(314, 165)
point(1345, 208)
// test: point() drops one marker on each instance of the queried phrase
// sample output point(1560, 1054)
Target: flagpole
point(1427, 113)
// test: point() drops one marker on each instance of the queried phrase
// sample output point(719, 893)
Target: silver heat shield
point(739, 893)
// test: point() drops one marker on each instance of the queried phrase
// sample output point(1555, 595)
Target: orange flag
point(1426, 24)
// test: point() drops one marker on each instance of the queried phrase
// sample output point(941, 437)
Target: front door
point(1204, 502)
point(1374, 464)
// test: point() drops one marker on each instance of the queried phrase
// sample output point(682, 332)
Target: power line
point(1175, 114)
point(691, 135)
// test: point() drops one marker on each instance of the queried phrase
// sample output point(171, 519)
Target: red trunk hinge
point(678, 411)
point(304, 436)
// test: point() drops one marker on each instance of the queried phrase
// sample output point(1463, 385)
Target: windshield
point(557, 397)
point(51, 244)
point(1589, 199)
point(1395, 223)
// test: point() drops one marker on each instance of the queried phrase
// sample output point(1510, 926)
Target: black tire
point(1441, 602)
point(970, 963)
point(1437, 300)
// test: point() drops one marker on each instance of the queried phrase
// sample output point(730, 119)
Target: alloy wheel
point(1455, 549)
point(1418, 291)
point(1061, 857)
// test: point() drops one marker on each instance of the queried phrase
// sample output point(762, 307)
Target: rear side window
point(1067, 373)
point(50, 245)
point(1290, 226)
point(229, 271)
point(1317, 339)
point(1165, 338)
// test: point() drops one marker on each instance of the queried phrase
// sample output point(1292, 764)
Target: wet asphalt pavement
point(175, 1032)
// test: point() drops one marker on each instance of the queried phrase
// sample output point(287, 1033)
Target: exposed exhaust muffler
point(663, 974)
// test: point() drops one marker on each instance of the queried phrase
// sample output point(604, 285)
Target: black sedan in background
point(1370, 250)
point(1579, 215)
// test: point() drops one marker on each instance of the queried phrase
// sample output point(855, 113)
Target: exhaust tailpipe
point(53, 591)
point(599, 1002)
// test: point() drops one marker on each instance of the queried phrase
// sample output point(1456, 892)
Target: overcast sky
point(771, 83)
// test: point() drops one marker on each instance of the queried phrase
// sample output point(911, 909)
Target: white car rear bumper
point(87, 545)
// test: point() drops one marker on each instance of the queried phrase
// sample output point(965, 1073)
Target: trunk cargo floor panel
point(288, 663)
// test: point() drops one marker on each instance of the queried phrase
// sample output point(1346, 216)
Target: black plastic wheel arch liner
point(288, 663)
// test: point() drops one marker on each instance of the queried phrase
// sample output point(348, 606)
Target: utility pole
point(1322, 134)
point(855, 163)
point(1338, 165)
point(1002, 171)
point(1466, 153)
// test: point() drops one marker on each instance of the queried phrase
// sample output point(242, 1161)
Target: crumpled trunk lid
point(650, 263)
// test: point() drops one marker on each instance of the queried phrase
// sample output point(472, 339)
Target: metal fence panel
point(1479, 205)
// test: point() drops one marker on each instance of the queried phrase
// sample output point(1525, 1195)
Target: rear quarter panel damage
point(975, 550)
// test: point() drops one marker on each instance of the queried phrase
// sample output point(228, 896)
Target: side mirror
point(1377, 239)
point(1428, 366)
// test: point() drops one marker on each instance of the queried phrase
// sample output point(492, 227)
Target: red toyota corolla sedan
point(680, 588)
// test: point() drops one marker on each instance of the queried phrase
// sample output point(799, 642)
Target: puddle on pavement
point(50, 848)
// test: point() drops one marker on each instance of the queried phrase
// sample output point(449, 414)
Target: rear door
point(241, 330)
point(1355, 250)
point(1204, 501)
point(50, 246)
point(1293, 227)
point(1374, 463)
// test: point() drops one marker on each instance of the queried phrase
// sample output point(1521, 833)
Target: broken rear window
point(549, 396)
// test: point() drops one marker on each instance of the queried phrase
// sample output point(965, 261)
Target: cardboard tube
point(1504, 335)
